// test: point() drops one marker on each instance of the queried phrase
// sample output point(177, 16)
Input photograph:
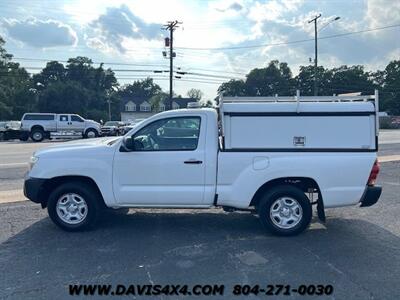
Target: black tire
point(89, 131)
point(2, 136)
point(296, 197)
point(37, 134)
point(87, 193)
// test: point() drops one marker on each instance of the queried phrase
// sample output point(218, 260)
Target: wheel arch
point(304, 183)
point(55, 182)
point(40, 127)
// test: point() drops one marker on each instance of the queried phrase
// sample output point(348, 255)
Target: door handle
point(193, 161)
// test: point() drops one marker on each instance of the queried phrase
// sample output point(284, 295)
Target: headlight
point(32, 161)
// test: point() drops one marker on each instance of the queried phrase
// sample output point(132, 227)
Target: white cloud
point(273, 10)
point(41, 33)
point(119, 24)
point(381, 12)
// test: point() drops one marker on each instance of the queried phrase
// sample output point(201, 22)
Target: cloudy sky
point(217, 40)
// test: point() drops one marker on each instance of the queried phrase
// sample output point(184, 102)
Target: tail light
point(374, 173)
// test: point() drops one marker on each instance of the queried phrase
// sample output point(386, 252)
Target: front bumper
point(33, 188)
point(370, 196)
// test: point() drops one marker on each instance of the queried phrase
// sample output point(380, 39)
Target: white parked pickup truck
point(38, 126)
point(274, 156)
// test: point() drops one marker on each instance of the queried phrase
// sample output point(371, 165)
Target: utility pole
point(171, 25)
point(109, 109)
point(316, 53)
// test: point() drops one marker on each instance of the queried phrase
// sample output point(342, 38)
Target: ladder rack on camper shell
point(297, 99)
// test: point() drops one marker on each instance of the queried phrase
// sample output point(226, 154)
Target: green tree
point(347, 79)
point(195, 94)
point(15, 87)
point(54, 71)
point(390, 88)
point(207, 103)
point(304, 81)
point(156, 100)
point(77, 88)
point(145, 88)
point(276, 78)
point(232, 88)
point(64, 97)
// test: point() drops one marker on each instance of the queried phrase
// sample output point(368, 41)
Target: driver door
point(167, 167)
point(77, 123)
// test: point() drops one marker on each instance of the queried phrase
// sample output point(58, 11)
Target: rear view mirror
point(132, 144)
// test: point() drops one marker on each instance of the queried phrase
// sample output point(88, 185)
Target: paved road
point(14, 158)
point(357, 251)
point(389, 136)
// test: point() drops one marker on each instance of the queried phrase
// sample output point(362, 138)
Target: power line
point(157, 72)
point(127, 64)
point(290, 42)
point(204, 75)
point(94, 62)
point(114, 70)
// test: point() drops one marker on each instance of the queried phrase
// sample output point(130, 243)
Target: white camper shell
point(291, 124)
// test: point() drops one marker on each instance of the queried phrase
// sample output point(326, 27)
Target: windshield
point(112, 123)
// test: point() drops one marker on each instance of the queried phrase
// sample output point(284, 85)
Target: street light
point(315, 20)
point(330, 22)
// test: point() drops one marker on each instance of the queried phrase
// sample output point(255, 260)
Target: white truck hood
point(76, 145)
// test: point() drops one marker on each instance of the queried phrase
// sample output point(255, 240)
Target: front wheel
point(285, 210)
point(74, 206)
point(91, 133)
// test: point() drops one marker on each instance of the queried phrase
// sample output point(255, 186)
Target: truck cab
point(182, 141)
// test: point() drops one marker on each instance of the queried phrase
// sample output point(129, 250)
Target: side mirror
point(129, 143)
point(132, 144)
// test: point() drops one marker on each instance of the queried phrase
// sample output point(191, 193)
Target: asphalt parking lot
point(357, 251)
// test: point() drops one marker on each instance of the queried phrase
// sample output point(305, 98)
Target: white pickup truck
point(274, 156)
point(39, 126)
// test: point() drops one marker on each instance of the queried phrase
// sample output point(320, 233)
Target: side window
point(75, 118)
point(63, 118)
point(172, 134)
point(39, 117)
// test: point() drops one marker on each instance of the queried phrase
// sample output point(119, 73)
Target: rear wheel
point(74, 206)
point(285, 210)
point(37, 134)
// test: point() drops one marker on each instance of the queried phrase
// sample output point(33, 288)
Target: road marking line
point(12, 165)
point(388, 158)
